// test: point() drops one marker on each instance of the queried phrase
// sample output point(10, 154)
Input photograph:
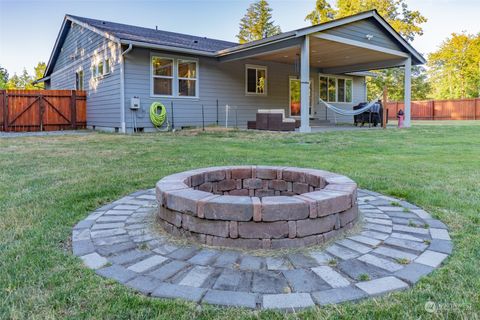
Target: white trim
point(360, 44)
point(336, 77)
point(174, 77)
point(80, 69)
point(256, 67)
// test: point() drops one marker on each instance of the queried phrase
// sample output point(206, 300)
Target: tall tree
point(323, 12)
point(3, 78)
point(257, 23)
point(454, 68)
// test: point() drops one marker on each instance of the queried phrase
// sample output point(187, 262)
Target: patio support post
point(305, 85)
point(408, 91)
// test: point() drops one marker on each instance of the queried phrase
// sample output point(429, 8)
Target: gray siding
point(357, 31)
point(224, 82)
point(80, 50)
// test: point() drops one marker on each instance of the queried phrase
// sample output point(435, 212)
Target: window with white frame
point(187, 78)
point(174, 77)
point(335, 89)
point(101, 68)
point(79, 80)
point(256, 80)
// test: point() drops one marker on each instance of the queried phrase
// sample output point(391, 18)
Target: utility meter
point(135, 103)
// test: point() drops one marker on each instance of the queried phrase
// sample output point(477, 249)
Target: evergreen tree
point(257, 23)
point(3, 78)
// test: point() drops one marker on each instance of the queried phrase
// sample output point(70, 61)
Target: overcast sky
point(28, 28)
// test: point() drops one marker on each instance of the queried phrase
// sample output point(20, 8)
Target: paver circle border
point(268, 207)
point(398, 244)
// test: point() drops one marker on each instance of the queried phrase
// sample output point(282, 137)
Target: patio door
point(294, 96)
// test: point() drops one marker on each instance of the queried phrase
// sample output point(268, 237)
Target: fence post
point(433, 109)
point(217, 112)
point(203, 119)
point(236, 120)
point(73, 109)
point(475, 109)
point(41, 111)
point(173, 119)
point(5, 110)
point(226, 116)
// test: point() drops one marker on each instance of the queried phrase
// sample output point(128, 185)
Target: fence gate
point(42, 110)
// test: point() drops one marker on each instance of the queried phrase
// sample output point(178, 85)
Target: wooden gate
point(42, 110)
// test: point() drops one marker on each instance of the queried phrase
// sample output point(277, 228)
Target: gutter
point(122, 86)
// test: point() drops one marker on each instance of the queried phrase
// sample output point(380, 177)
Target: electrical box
point(135, 103)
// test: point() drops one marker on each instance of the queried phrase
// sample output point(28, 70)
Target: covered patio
point(347, 46)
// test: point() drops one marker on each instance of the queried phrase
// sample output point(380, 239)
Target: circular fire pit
point(257, 207)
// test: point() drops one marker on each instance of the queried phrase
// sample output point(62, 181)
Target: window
point(187, 78)
point(101, 68)
point(174, 77)
point(107, 66)
point(162, 76)
point(79, 80)
point(256, 80)
point(335, 89)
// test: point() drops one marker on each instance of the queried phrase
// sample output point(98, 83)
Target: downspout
point(122, 87)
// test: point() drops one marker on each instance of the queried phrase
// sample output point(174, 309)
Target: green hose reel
point(158, 114)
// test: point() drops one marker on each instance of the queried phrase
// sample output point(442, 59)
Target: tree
point(257, 23)
point(394, 78)
point(454, 68)
point(323, 12)
point(39, 72)
point(3, 78)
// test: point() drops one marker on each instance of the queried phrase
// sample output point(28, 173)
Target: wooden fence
point(42, 110)
point(462, 109)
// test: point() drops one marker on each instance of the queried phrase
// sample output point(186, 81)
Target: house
point(196, 77)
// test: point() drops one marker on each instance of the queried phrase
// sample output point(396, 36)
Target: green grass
point(48, 184)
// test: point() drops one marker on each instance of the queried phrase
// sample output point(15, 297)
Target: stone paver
point(196, 277)
point(382, 285)
point(94, 260)
point(167, 290)
point(147, 264)
point(291, 301)
point(118, 242)
point(231, 298)
point(330, 276)
point(338, 295)
point(431, 258)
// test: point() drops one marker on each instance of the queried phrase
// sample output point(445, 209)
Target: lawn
point(48, 184)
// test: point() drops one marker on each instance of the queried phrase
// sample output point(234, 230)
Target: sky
point(28, 28)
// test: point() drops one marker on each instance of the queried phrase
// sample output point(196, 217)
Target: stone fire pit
point(257, 207)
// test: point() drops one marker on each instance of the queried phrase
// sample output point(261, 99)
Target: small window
point(256, 80)
point(323, 88)
point(162, 71)
point(348, 90)
point(332, 89)
point(336, 89)
point(187, 78)
point(100, 68)
point(107, 66)
point(79, 80)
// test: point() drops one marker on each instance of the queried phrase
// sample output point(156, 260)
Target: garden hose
point(158, 118)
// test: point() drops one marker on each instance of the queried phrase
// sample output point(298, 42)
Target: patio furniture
point(374, 115)
point(273, 120)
